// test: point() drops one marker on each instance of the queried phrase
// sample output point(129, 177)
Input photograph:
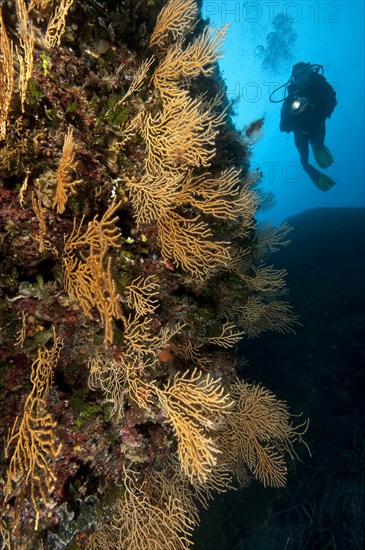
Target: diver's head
point(301, 73)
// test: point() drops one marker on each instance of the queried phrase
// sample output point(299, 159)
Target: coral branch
point(57, 25)
point(66, 166)
point(35, 437)
point(259, 433)
point(87, 271)
point(191, 403)
point(176, 18)
point(6, 76)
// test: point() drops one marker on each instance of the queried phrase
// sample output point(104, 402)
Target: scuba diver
point(309, 101)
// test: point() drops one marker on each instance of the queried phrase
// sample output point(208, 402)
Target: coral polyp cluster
point(130, 268)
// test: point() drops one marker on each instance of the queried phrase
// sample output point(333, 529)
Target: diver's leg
point(302, 144)
point(317, 135)
point(321, 153)
point(323, 182)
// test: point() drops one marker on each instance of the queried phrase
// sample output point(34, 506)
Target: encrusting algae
point(131, 265)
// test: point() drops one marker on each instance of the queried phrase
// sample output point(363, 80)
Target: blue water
point(263, 42)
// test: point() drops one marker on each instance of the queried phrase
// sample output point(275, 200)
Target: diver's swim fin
point(323, 157)
point(320, 180)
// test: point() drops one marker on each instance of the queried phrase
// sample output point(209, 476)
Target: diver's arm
point(286, 117)
point(326, 97)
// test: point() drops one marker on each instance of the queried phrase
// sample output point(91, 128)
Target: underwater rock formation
point(131, 265)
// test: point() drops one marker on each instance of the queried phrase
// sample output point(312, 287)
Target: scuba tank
point(315, 68)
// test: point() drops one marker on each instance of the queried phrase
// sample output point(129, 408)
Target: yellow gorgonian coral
point(259, 433)
point(34, 437)
point(176, 19)
point(88, 270)
point(65, 182)
point(6, 76)
point(194, 403)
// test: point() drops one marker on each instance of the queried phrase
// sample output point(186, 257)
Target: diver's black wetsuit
point(309, 125)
